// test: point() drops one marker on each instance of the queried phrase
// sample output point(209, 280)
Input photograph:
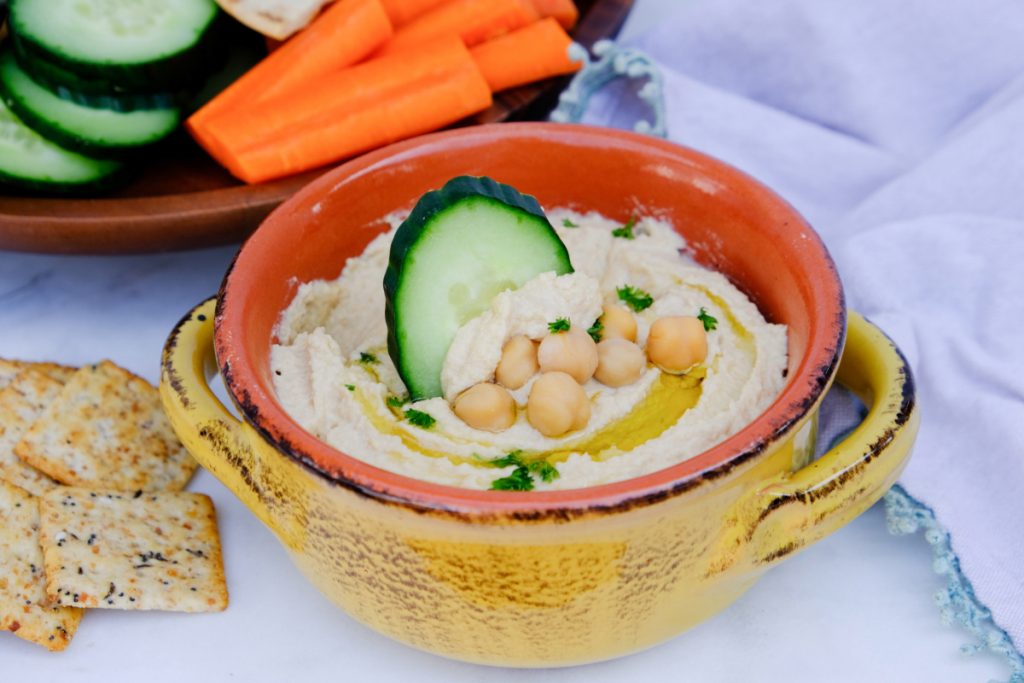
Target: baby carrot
point(540, 50)
point(472, 20)
point(339, 133)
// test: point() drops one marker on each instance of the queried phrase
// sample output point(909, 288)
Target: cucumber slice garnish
point(460, 246)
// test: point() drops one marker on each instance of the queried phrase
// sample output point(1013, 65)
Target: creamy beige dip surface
point(332, 372)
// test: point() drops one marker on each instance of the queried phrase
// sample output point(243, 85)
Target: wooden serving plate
point(184, 200)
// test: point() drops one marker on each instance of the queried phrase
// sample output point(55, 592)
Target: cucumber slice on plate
point(460, 246)
point(98, 94)
point(136, 44)
point(90, 130)
point(30, 161)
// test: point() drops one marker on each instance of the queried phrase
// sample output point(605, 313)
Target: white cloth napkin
point(897, 129)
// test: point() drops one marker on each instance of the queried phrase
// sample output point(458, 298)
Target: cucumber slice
point(96, 94)
point(92, 131)
point(136, 44)
point(29, 161)
point(460, 246)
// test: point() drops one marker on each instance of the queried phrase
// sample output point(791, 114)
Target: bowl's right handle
point(807, 505)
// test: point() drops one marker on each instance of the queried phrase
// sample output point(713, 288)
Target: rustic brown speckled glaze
point(545, 578)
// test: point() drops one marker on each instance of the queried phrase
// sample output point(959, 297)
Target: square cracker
point(22, 401)
point(9, 369)
point(132, 550)
point(24, 608)
point(107, 430)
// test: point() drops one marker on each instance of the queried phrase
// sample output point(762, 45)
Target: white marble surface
point(856, 607)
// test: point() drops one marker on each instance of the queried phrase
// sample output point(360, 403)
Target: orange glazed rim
point(250, 387)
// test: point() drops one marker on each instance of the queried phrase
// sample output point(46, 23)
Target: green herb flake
point(596, 330)
point(710, 322)
point(350, 387)
point(560, 325)
point(545, 470)
point(635, 298)
point(396, 401)
point(519, 480)
point(566, 223)
point(419, 419)
point(367, 358)
point(626, 231)
point(513, 458)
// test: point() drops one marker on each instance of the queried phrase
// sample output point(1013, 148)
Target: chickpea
point(620, 362)
point(677, 343)
point(572, 352)
point(486, 406)
point(557, 404)
point(518, 362)
point(618, 322)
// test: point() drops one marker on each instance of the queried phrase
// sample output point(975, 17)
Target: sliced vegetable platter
point(158, 189)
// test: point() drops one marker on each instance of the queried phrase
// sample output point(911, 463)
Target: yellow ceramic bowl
point(545, 578)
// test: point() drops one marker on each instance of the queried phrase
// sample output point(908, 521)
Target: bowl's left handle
point(214, 437)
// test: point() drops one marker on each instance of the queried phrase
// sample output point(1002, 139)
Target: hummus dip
point(333, 375)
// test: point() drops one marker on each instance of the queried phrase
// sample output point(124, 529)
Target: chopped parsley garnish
point(367, 358)
point(522, 477)
point(419, 418)
point(545, 470)
point(396, 401)
point(710, 322)
point(566, 223)
point(626, 231)
point(350, 387)
point(560, 325)
point(513, 458)
point(519, 480)
point(635, 298)
point(595, 330)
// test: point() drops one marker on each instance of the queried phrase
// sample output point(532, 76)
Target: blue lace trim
point(613, 63)
point(957, 602)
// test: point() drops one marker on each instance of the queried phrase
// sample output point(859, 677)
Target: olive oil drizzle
point(669, 398)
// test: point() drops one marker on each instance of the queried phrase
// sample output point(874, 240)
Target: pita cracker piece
point(275, 18)
point(24, 609)
point(146, 551)
point(22, 401)
point(107, 430)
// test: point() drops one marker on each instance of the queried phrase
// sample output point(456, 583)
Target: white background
point(856, 607)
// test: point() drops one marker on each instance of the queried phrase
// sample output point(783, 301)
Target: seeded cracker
point(132, 551)
point(22, 401)
point(9, 369)
point(23, 606)
point(107, 430)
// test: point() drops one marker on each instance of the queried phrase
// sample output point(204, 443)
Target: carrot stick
point(475, 21)
point(343, 34)
point(430, 104)
point(539, 51)
point(358, 86)
point(403, 11)
point(562, 10)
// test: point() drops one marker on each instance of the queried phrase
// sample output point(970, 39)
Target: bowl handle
point(214, 437)
point(807, 505)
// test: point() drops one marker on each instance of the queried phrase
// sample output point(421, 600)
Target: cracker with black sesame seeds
point(147, 551)
point(107, 430)
point(9, 369)
point(22, 401)
point(24, 608)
